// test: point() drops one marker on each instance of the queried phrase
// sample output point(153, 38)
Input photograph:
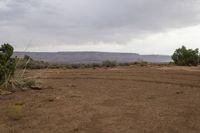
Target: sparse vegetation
point(141, 63)
point(28, 63)
point(199, 58)
point(15, 112)
point(186, 57)
point(109, 63)
point(9, 80)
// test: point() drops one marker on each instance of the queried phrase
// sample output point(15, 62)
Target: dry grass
point(18, 83)
point(15, 112)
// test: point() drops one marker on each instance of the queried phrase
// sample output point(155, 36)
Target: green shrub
point(109, 63)
point(124, 64)
point(27, 57)
point(199, 58)
point(186, 57)
point(95, 65)
point(7, 64)
point(28, 63)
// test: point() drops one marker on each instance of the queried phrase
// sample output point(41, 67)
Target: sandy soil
point(135, 99)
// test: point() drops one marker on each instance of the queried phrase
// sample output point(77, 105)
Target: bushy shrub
point(109, 63)
point(199, 58)
point(37, 64)
point(95, 65)
point(27, 57)
point(124, 64)
point(186, 57)
point(28, 63)
point(7, 64)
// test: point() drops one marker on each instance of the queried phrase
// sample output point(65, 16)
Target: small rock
point(76, 129)
point(51, 99)
point(150, 97)
point(58, 98)
point(25, 89)
point(179, 92)
point(36, 88)
point(75, 96)
point(71, 85)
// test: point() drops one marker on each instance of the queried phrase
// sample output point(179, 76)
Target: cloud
point(64, 22)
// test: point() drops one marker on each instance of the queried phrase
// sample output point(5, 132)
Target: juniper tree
point(7, 63)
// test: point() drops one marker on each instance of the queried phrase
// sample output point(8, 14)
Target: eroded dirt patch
point(132, 100)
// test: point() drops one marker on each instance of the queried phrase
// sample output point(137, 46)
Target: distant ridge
point(92, 57)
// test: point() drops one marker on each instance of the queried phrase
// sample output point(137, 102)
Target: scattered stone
point(150, 97)
point(58, 98)
point(75, 96)
point(71, 85)
point(5, 92)
point(25, 89)
point(36, 88)
point(179, 92)
point(51, 99)
point(76, 129)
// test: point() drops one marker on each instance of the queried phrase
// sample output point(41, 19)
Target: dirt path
point(121, 100)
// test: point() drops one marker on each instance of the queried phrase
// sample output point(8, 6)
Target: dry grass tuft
point(19, 83)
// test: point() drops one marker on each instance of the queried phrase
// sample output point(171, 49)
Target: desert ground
point(135, 99)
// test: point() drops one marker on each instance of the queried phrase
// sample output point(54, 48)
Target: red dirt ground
point(134, 99)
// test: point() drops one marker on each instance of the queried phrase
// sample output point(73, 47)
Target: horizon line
point(85, 52)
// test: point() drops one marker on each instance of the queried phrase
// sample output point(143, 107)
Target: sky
point(134, 26)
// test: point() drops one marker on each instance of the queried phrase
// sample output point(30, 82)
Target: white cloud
point(160, 43)
point(99, 25)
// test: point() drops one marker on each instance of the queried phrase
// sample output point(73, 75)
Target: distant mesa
point(92, 57)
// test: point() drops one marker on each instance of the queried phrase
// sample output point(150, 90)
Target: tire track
point(126, 79)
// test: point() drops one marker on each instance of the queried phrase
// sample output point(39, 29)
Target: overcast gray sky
point(138, 26)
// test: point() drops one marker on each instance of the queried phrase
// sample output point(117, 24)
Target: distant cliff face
point(92, 57)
